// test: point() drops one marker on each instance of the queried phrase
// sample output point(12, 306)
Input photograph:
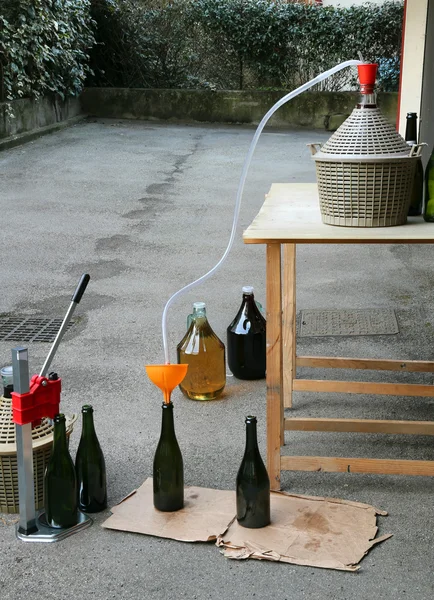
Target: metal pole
point(26, 490)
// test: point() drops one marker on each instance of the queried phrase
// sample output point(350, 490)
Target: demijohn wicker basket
point(365, 172)
point(42, 436)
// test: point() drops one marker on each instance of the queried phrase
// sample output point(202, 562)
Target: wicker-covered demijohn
point(365, 173)
point(365, 170)
point(42, 438)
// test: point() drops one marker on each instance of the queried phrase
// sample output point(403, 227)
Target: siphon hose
point(246, 165)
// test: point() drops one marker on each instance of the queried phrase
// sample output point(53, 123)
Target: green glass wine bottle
point(60, 481)
point(415, 208)
point(90, 467)
point(428, 213)
point(253, 484)
point(168, 472)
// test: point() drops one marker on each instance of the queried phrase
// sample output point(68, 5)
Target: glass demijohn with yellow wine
point(204, 353)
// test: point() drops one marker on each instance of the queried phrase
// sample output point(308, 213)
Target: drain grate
point(348, 322)
point(30, 329)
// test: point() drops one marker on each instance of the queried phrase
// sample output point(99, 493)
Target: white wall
point(412, 66)
point(427, 105)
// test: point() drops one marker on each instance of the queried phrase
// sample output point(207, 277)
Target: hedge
point(44, 47)
point(236, 44)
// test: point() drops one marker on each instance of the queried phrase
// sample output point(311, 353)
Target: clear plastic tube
point(296, 92)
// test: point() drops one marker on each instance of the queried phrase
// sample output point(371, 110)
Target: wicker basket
point(365, 172)
point(42, 436)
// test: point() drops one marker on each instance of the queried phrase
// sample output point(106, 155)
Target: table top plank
point(290, 214)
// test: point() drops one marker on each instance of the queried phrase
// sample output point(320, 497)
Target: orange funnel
point(166, 377)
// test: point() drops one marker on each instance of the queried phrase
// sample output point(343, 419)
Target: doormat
point(305, 530)
point(373, 321)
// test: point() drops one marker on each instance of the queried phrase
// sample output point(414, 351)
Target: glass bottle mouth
point(198, 305)
point(7, 375)
point(251, 419)
point(87, 408)
point(248, 289)
point(60, 418)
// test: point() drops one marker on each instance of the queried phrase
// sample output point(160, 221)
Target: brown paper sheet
point(206, 515)
point(305, 530)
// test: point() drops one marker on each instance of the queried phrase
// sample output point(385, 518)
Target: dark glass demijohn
point(246, 340)
point(60, 481)
point(90, 467)
point(168, 472)
point(253, 484)
point(415, 208)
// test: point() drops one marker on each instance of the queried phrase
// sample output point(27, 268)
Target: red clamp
point(42, 400)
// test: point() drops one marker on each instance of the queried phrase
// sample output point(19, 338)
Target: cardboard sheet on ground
point(305, 530)
point(206, 514)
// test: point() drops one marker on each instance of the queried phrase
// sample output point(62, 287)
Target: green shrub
point(44, 47)
point(236, 44)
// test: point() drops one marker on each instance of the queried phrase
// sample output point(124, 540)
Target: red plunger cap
point(367, 73)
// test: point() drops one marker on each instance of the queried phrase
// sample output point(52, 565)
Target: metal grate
point(348, 322)
point(30, 329)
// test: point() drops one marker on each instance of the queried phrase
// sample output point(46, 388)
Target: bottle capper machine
point(32, 400)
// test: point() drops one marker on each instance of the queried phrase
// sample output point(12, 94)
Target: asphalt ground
point(145, 208)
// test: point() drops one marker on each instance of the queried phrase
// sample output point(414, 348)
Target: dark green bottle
point(253, 484)
point(168, 470)
point(60, 481)
point(428, 214)
point(90, 467)
point(415, 208)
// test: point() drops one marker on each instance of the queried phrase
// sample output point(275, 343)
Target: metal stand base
point(45, 533)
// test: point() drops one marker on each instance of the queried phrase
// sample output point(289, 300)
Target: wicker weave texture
point(366, 131)
point(365, 195)
point(365, 173)
point(42, 438)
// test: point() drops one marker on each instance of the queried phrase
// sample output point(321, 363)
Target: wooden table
point(289, 216)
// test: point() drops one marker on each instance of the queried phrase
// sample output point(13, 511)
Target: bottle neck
point(410, 131)
point(199, 313)
point(367, 100)
point(167, 423)
point(251, 436)
point(59, 436)
point(88, 430)
point(7, 391)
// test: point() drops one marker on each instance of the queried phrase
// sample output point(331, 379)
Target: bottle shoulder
point(199, 337)
point(248, 320)
point(61, 464)
point(89, 445)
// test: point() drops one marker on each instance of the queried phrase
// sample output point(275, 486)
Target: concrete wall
point(325, 110)
point(35, 115)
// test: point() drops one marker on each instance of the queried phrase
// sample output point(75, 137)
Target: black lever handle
point(82, 285)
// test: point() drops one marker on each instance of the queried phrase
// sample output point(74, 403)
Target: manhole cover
point(348, 322)
point(29, 329)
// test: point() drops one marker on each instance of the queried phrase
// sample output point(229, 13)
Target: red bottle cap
point(367, 76)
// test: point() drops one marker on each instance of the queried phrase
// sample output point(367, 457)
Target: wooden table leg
point(275, 414)
point(288, 323)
